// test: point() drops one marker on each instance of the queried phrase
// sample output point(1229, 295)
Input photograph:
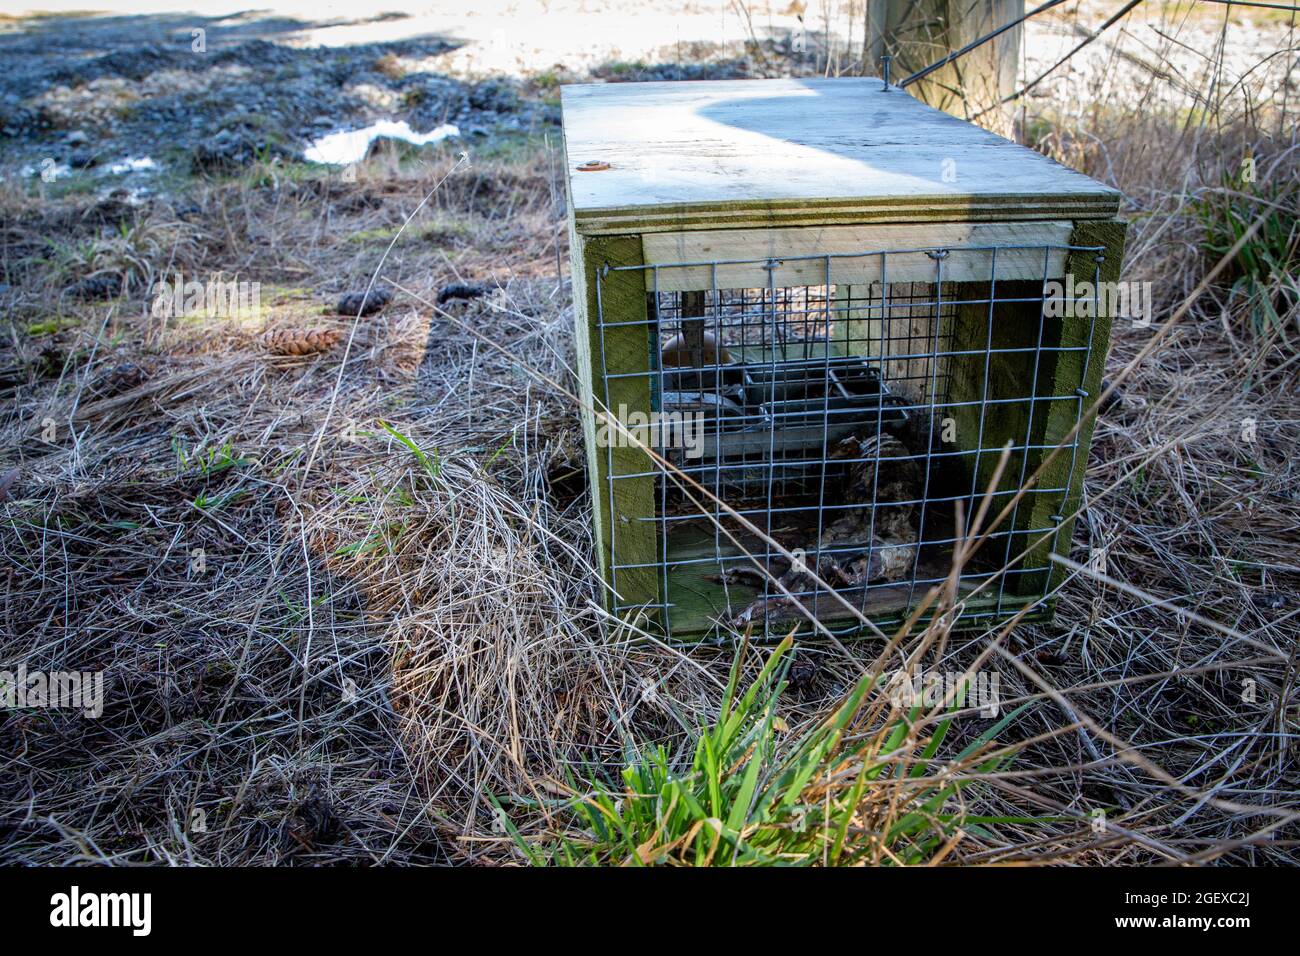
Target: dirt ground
point(343, 600)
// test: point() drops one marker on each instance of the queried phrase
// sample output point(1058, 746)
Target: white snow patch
point(341, 149)
point(132, 164)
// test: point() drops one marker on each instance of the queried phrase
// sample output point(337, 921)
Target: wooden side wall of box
point(1084, 371)
point(618, 503)
point(1013, 326)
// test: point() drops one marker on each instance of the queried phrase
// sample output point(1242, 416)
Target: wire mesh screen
point(819, 448)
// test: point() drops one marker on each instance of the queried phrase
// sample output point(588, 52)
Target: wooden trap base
point(703, 604)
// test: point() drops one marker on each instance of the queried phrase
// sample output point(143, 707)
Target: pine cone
point(301, 341)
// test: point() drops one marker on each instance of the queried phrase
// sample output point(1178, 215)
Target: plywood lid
point(739, 153)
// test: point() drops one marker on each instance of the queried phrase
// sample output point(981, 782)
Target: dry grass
point(396, 620)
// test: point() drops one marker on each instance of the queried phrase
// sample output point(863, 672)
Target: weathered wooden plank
point(637, 179)
point(617, 501)
point(846, 244)
point(709, 150)
point(676, 218)
point(702, 604)
point(1071, 357)
point(1010, 364)
point(1081, 371)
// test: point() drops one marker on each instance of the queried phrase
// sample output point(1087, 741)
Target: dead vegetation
point(343, 600)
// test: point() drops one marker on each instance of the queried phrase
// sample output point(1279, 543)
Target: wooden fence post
point(916, 33)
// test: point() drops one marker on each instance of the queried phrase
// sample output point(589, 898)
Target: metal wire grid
point(778, 349)
point(901, 334)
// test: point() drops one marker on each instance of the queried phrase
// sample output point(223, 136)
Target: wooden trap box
point(834, 307)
